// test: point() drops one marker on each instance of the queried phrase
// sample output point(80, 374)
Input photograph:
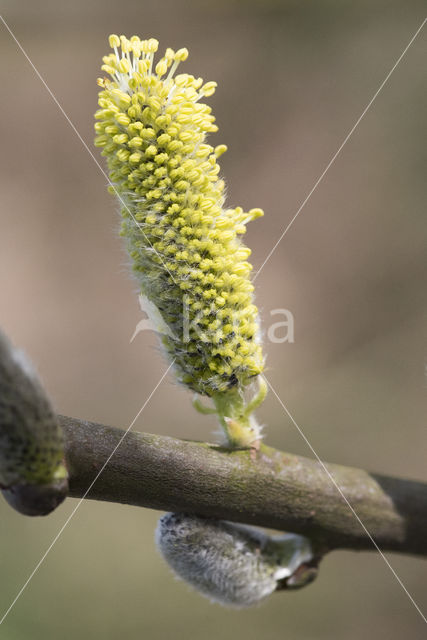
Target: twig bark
point(273, 489)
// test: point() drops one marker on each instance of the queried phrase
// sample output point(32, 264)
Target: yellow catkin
point(185, 246)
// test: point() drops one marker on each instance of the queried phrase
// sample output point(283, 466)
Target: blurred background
point(293, 79)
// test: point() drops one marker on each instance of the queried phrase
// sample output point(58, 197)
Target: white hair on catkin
point(234, 565)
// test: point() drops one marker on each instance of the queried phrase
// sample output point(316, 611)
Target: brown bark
point(269, 489)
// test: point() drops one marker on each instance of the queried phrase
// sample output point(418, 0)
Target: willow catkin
point(235, 565)
point(184, 244)
point(33, 476)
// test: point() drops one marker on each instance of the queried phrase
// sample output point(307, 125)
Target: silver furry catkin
point(235, 565)
point(33, 477)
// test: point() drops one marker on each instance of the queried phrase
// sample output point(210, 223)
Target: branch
point(271, 489)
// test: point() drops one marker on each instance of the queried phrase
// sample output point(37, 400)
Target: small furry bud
point(235, 565)
point(33, 477)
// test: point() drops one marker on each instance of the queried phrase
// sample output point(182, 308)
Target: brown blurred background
point(293, 79)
